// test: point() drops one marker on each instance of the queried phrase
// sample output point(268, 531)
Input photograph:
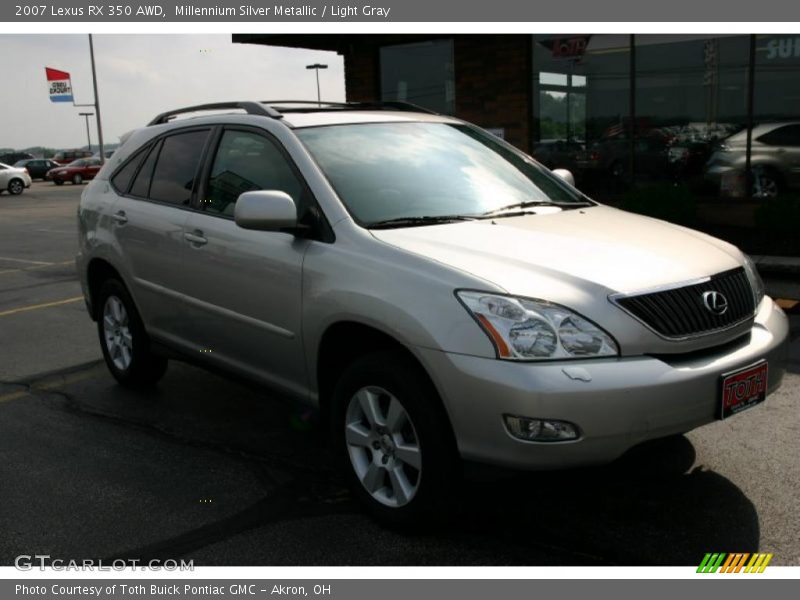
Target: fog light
point(540, 430)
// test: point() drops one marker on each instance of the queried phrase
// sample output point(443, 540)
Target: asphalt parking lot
point(208, 469)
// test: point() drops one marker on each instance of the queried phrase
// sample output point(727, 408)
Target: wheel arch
point(345, 341)
point(98, 271)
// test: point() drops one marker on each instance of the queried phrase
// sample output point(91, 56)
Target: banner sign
point(59, 85)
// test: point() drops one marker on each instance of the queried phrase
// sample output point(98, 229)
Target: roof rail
point(323, 105)
point(251, 108)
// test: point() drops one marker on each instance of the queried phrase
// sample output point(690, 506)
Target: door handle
point(120, 217)
point(195, 238)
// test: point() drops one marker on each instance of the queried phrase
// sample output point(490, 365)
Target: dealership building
point(716, 115)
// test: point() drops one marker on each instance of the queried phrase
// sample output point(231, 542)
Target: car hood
point(620, 251)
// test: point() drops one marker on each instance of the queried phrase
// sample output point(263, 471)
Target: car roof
point(311, 118)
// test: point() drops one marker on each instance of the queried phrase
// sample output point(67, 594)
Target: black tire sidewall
point(145, 368)
point(11, 187)
point(440, 466)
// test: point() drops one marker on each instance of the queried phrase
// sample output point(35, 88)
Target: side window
point(141, 185)
point(121, 180)
point(176, 168)
point(244, 162)
point(788, 135)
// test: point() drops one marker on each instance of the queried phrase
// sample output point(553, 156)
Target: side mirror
point(265, 210)
point(566, 175)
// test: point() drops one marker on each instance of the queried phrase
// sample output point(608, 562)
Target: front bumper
point(626, 401)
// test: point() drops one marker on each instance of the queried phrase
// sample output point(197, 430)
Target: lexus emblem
point(715, 303)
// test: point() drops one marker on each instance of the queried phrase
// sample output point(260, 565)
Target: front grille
point(681, 312)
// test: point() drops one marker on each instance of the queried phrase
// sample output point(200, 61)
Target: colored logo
point(715, 303)
point(737, 562)
point(59, 85)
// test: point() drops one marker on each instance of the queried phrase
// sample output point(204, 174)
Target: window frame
point(202, 187)
point(155, 144)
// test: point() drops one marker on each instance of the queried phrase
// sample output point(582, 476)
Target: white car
point(13, 179)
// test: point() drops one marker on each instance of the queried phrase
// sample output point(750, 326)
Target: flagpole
point(97, 102)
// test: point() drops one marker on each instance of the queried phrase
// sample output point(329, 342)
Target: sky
point(140, 76)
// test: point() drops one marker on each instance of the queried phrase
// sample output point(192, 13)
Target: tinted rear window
point(177, 166)
point(123, 177)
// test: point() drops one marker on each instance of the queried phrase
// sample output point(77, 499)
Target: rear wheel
point(125, 344)
point(15, 187)
point(393, 440)
point(77, 179)
point(766, 183)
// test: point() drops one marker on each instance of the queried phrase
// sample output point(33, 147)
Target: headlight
point(525, 329)
point(755, 280)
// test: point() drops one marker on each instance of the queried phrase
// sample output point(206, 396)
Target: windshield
point(78, 163)
point(386, 171)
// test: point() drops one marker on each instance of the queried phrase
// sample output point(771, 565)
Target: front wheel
point(58, 182)
point(393, 440)
point(15, 187)
point(125, 344)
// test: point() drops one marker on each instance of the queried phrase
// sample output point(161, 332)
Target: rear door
point(155, 192)
point(245, 286)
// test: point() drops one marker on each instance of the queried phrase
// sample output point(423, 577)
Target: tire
point(15, 187)
point(58, 182)
point(77, 179)
point(767, 184)
point(393, 441)
point(125, 344)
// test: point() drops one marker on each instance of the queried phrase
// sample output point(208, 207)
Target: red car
point(77, 171)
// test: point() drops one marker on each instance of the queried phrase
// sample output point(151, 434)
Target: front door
point(244, 286)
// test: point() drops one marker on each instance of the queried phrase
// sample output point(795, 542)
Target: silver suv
point(439, 295)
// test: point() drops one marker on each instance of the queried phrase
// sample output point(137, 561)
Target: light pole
point(317, 67)
point(88, 135)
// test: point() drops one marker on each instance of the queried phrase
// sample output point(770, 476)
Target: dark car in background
point(559, 154)
point(10, 158)
point(37, 167)
point(83, 169)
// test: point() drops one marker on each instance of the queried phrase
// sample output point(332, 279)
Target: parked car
point(775, 158)
point(13, 180)
point(564, 154)
point(65, 157)
point(37, 167)
point(610, 158)
point(436, 293)
point(12, 157)
point(83, 169)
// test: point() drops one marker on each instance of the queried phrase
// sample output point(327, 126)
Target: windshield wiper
point(532, 203)
point(422, 220)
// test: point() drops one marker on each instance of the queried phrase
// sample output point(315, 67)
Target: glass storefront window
point(420, 73)
point(581, 104)
point(691, 94)
point(775, 155)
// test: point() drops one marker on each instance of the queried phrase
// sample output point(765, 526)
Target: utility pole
point(317, 67)
point(97, 102)
point(88, 135)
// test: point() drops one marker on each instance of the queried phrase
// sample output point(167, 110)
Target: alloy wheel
point(15, 187)
point(117, 333)
point(383, 446)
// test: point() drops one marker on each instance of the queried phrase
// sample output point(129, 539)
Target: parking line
point(22, 260)
point(22, 270)
point(14, 311)
point(786, 303)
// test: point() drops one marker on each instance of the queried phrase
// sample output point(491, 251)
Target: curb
point(777, 265)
